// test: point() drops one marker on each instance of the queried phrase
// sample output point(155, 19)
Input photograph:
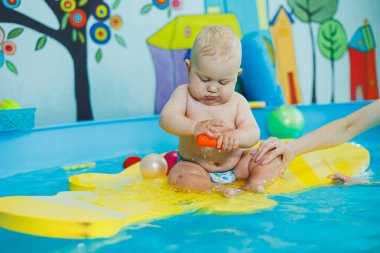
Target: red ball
point(171, 159)
point(130, 161)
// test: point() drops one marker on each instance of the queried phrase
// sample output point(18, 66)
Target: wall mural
point(316, 11)
point(72, 16)
point(8, 48)
point(363, 64)
point(332, 42)
point(285, 60)
point(269, 61)
point(167, 5)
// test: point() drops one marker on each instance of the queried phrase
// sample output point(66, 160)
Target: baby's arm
point(174, 121)
point(246, 125)
point(247, 132)
point(172, 117)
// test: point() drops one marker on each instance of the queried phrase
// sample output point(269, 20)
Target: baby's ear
point(239, 72)
point(187, 62)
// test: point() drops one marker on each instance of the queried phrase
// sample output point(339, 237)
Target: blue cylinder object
point(258, 76)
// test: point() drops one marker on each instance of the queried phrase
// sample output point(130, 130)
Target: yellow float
point(100, 205)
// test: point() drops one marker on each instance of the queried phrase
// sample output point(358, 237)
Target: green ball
point(285, 122)
point(8, 104)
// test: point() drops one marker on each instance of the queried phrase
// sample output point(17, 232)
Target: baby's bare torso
point(210, 158)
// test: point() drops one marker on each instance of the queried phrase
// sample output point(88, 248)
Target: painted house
point(286, 67)
point(361, 49)
point(251, 14)
point(171, 45)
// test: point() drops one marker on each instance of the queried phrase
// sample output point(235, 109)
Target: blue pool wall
point(77, 143)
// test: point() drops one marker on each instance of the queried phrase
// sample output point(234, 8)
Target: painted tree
point(332, 41)
point(8, 48)
point(72, 34)
point(316, 11)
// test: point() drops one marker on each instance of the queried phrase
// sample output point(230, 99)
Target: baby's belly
point(210, 159)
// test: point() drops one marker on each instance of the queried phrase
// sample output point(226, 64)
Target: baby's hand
point(228, 141)
point(211, 128)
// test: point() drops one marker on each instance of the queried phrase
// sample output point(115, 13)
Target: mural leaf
point(313, 10)
point(82, 2)
point(81, 37)
point(11, 67)
point(41, 43)
point(120, 40)
point(169, 12)
point(99, 55)
point(146, 8)
point(15, 33)
point(116, 4)
point(332, 39)
point(64, 21)
point(74, 35)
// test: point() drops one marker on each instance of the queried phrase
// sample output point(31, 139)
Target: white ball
point(153, 166)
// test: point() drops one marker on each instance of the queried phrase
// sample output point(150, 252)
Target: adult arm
point(329, 135)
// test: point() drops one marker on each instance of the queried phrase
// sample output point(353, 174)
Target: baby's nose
point(212, 88)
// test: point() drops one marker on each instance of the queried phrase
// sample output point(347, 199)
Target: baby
point(209, 105)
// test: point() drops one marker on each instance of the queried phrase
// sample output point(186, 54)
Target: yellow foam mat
point(100, 205)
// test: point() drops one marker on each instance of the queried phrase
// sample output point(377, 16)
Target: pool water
point(332, 219)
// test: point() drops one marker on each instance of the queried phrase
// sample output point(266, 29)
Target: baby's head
point(214, 65)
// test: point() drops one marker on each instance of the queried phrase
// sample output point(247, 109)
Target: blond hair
point(219, 42)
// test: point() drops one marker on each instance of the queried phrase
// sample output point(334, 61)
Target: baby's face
point(211, 81)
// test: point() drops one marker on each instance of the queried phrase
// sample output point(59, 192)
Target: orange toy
point(204, 140)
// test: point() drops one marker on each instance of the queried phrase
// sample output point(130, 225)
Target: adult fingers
point(270, 156)
point(263, 149)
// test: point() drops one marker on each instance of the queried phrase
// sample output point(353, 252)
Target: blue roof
point(273, 21)
point(363, 39)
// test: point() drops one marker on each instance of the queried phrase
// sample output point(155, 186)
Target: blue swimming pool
point(334, 219)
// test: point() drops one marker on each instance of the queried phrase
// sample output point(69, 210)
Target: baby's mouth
point(210, 97)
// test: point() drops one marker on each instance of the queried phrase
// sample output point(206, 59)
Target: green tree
point(317, 11)
point(72, 16)
point(332, 41)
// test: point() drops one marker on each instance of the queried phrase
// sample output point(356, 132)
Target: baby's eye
point(205, 80)
point(223, 82)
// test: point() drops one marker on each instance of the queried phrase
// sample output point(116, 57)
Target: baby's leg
point(190, 176)
point(260, 176)
point(242, 168)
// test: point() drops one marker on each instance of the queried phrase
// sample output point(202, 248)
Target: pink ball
point(171, 159)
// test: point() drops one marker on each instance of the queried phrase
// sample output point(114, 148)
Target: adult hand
point(272, 148)
point(211, 128)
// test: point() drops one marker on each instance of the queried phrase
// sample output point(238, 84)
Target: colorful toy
point(153, 166)
point(130, 161)
point(285, 122)
point(258, 76)
point(8, 104)
point(204, 140)
point(171, 159)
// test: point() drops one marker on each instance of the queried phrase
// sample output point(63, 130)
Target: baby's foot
point(254, 187)
point(231, 192)
point(228, 192)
